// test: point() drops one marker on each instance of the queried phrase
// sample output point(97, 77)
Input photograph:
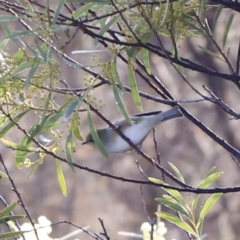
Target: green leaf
point(8, 31)
point(212, 54)
point(82, 11)
point(11, 234)
point(69, 111)
point(25, 143)
point(57, 11)
point(133, 85)
point(44, 112)
point(209, 180)
point(157, 181)
point(31, 73)
point(22, 67)
point(75, 128)
point(119, 102)
point(177, 195)
point(8, 209)
point(11, 218)
point(177, 173)
point(8, 18)
point(59, 29)
point(68, 148)
point(207, 207)
point(115, 75)
point(42, 51)
point(61, 179)
point(133, 51)
point(211, 171)
point(3, 119)
point(170, 202)
point(210, 177)
point(19, 34)
point(105, 27)
point(33, 169)
point(177, 221)
point(227, 28)
point(3, 175)
point(3, 43)
point(219, 10)
point(94, 134)
point(146, 60)
point(174, 193)
point(11, 124)
point(50, 121)
point(16, 146)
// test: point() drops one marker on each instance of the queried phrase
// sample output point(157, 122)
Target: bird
point(142, 124)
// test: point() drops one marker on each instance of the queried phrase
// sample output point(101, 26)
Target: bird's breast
point(135, 133)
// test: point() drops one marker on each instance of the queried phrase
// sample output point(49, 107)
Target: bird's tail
point(169, 114)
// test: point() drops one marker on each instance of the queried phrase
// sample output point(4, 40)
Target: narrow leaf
point(52, 120)
point(61, 179)
point(177, 221)
point(76, 131)
point(211, 171)
point(3, 175)
point(133, 51)
point(157, 181)
point(25, 143)
point(210, 179)
point(11, 218)
point(22, 67)
point(119, 102)
point(219, 10)
point(133, 85)
point(94, 134)
point(105, 27)
point(8, 209)
point(31, 73)
point(57, 11)
point(115, 75)
point(8, 18)
point(207, 207)
point(4, 130)
point(178, 174)
point(146, 60)
point(19, 34)
point(173, 204)
point(212, 54)
point(33, 169)
point(68, 148)
point(8, 31)
point(82, 11)
point(227, 28)
point(177, 195)
point(69, 111)
point(11, 234)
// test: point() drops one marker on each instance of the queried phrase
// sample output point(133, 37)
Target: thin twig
point(21, 203)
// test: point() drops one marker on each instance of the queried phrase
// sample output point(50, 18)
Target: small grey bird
point(143, 123)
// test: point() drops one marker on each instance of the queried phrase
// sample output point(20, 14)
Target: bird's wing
point(135, 119)
point(146, 114)
point(121, 123)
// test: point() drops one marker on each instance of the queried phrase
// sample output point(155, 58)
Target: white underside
point(136, 133)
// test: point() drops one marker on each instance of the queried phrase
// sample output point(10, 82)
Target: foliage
point(187, 218)
point(9, 219)
point(32, 86)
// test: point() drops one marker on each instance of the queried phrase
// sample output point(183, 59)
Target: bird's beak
point(86, 142)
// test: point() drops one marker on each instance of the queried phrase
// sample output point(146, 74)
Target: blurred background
point(120, 204)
